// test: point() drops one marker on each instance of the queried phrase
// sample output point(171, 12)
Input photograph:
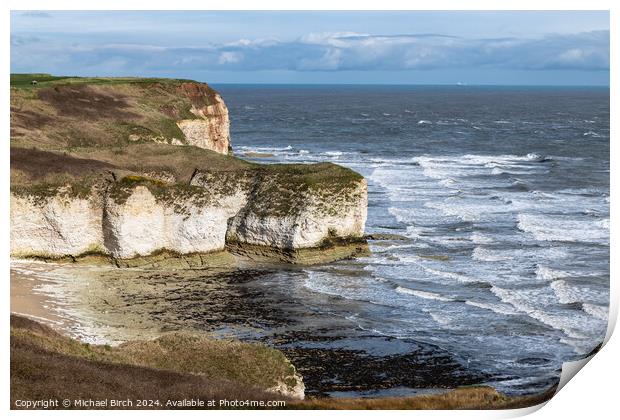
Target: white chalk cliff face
point(306, 226)
point(140, 223)
point(55, 226)
point(212, 128)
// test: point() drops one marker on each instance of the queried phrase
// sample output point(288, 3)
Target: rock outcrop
point(249, 212)
point(143, 223)
point(211, 129)
point(306, 227)
point(57, 225)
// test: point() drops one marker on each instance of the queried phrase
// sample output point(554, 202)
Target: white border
point(592, 395)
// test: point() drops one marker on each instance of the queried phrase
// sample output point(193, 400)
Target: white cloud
point(329, 52)
point(230, 57)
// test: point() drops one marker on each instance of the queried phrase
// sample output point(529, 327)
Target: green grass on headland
point(25, 80)
point(47, 365)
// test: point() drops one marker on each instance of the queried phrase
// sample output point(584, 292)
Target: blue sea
point(503, 194)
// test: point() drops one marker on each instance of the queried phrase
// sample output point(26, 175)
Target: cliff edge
point(116, 168)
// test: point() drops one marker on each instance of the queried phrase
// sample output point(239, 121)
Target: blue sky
point(406, 47)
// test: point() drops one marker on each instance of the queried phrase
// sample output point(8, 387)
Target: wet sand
point(74, 300)
point(26, 301)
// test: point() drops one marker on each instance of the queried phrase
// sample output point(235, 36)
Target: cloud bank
point(331, 52)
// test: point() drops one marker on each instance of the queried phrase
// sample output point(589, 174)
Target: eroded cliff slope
point(124, 199)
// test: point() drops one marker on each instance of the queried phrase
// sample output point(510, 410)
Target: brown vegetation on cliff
point(63, 113)
point(466, 398)
point(47, 365)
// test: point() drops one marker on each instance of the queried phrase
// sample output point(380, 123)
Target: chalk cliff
point(138, 216)
point(141, 196)
point(211, 127)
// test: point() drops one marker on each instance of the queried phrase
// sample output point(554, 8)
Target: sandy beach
point(72, 300)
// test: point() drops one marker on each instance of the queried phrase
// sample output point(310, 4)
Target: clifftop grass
point(71, 126)
point(167, 171)
point(45, 364)
point(25, 80)
point(62, 113)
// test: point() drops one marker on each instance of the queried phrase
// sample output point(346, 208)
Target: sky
point(396, 47)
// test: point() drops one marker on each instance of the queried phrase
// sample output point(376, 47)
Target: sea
point(502, 194)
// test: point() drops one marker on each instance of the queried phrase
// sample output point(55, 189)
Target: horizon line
point(451, 84)
point(464, 85)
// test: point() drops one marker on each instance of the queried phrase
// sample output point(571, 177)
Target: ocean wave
point(480, 239)
point(587, 191)
point(461, 210)
point(519, 185)
point(441, 319)
point(502, 309)
point(422, 294)
point(485, 254)
point(533, 303)
point(581, 346)
point(448, 182)
point(473, 159)
point(521, 254)
point(525, 300)
point(395, 161)
point(461, 278)
point(604, 224)
point(361, 120)
point(424, 122)
point(265, 149)
point(565, 293)
point(573, 293)
point(444, 167)
point(562, 228)
point(547, 274)
point(597, 311)
point(535, 157)
point(592, 134)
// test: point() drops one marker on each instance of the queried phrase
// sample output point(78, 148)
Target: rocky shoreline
point(116, 305)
